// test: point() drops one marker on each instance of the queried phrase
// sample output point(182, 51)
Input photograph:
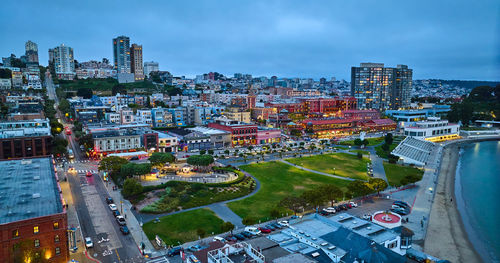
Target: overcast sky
point(448, 39)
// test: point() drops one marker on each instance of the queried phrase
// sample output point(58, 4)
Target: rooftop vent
point(307, 235)
point(331, 247)
point(354, 222)
point(301, 232)
point(341, 216)
point(36, 195)
point(28, 161)
point(314, 238)
point(369, 228)
point(324, 244)
point(36, 177)
point(315, 254)
point(10, 213)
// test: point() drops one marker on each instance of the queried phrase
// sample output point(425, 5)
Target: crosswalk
point(80, 161)
point(159, 260)
point(86, 171)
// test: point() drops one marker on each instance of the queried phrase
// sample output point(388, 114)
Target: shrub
point(249, 221)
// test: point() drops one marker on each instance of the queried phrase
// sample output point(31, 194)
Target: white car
point(88, 242)
point(284, 223)
point(217, 238)
point(255, 231)
point(329, 210)
point(113, 207)
point(353, 204)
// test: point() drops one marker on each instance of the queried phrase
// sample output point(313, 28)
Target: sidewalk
point(134, 225)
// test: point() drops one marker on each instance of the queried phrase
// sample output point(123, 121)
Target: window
point(15, 233)
point(56, 238)
point(392, 245)
point(58, 250)
point(37, 242)
point(56, 225)
point(35, 230)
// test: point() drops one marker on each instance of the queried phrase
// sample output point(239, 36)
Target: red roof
point(381, 122)
point(359, 111)
point(333, 121)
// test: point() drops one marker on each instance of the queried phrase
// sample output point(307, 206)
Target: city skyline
point(284, 39)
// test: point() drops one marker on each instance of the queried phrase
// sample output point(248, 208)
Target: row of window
point(36, 230)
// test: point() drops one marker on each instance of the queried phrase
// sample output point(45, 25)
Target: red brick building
point(241, 133)
point(331, 128)
point(34, 226)
point(324, 106)
point(361, 114)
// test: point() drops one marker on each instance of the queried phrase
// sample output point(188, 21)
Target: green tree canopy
point(377, 184)
point(200, 160)
point(293, 203)
point(314, 197)
point(388, 138)
point(331, 192)
point(160, 159)
point(131, 187)
point(112, 163)
point(359, 188)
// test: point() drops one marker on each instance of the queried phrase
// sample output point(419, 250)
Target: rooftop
point(208, 131)
point(28, 189)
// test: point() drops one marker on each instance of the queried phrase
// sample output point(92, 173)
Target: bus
point(70, 154)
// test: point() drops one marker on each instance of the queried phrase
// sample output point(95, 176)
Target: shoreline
point(447, 236)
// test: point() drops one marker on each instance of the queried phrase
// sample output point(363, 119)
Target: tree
point(295, 132)
point(226, 152)
point(331, 192)
point(84, 92)
point(314, 197)
point(359, 188)
point(148, 102)
point(377, 184)
point(127, 170)
point(275, 213)
point(86, 141)
point(249, 221)
point(59, 146)
point(201, 232)
point(211, 152)
point(359, 155)
point(388, 139)
point(385, 147)
point(358, 142)
point(365, 142)
point(203, 152)
point(5, 73)
point(112, 163)
point(131, 187)
point(293, 203)
point(227, 226)
point(64, 106)
point(160, 159)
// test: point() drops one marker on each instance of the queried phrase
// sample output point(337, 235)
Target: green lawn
point(346, 165)
point(396, 172)
point(360, 151)
point(183, 227)
point(277, 181)
point(371, 141)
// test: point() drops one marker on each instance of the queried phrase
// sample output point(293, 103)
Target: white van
point(255, 231)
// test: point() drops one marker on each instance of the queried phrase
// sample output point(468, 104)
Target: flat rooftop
point(28, 189)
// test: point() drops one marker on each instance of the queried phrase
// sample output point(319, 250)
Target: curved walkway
point(219, 208)
point(317, 172)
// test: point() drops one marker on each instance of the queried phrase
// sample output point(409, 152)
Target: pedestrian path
point(317, 172)
point(378, 166)
point(226, 214)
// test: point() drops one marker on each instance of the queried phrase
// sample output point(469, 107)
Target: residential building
point(121, 54)
point(238, 114)
point(166, 142)
point(31, 53)
point(17, 79)
point(144, 116)
point(123, 140)
point(178, 116)
point(241, 133)
point(127, 116)
point(191, 140)
point(382, 88)
point(33, 216)
point(150, 67)
point(112, 117)
point(136, 62)
point(64, 62)
point(433, 129)
point(161, 117)
point(26, 138)
point(218, 138)
point(5, 84)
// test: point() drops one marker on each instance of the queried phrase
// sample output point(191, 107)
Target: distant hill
point(468, 84)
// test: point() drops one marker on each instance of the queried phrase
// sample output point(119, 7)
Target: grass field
point(278, 180)
point(396, 172)
point(360, 151)
point(346, 165)
point(371, 141)
point(183, 227)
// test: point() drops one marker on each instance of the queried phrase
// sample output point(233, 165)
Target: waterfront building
point(121, 54)
point(136, 62)
point(433, 129)
point(378, 87)
point(34, 219)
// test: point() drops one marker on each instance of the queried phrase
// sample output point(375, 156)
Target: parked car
point(217, 238)
point(349, 206)
point(121, 220)
point(401, 204)
point(265, 230)
point(231, 239)
point(255, 231)
point(109, 200)
point(401, 211)
point(353, 204)
point(113, 207)
point(116, 213)
point(324, 213)
point(247, 234)
point(88, 174)
point(124, 230)
point(71, 169)
point(329, 210)
point(276, 225)
point(239, 237)
point(195, 248)
point(270, 227)
point(174, 251)
point(284, 223)
point(367, 216)
point(88, 242)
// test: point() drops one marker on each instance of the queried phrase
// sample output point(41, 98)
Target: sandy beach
point(446, 236)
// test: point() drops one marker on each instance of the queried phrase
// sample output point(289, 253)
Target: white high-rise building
point(150, 67)
point(64, 62)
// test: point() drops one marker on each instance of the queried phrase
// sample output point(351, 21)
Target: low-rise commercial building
point(33, 220)
point(433, 129)
point(241, 133)
point(26, 138)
